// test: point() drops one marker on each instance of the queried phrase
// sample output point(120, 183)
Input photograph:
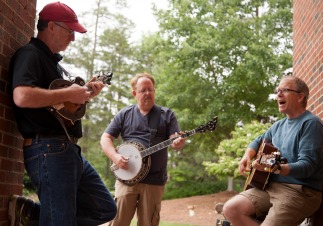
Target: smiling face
point(290, 98)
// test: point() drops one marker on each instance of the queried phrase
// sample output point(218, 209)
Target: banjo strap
point(153, 122)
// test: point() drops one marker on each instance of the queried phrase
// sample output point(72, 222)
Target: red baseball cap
point(60, 12)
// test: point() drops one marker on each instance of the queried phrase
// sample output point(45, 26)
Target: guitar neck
point(165, 144)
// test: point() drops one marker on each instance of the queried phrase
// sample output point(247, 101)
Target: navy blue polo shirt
point(133, 126)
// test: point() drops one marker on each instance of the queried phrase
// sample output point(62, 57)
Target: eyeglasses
point(71, 32)
point(285, 90)
point(143, 91)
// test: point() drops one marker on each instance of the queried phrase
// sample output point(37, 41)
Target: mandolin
point(72, 112)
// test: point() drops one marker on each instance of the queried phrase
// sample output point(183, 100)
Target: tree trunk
point(230, 184)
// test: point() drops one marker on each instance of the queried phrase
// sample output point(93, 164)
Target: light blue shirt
point(300, 141)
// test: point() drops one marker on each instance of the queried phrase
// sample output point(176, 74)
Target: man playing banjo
point(141, 125)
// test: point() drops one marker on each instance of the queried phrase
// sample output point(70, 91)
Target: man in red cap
point(69, 189)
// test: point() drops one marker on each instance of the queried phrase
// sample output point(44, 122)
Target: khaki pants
point(143, 198)
point(284, 204)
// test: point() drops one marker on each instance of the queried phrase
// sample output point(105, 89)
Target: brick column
point(308, 58)
point(308, 49)
point(16, 27)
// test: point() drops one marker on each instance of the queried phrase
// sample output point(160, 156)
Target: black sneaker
point(20, 210)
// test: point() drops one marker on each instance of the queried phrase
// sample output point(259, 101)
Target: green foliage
point(104, 48)
point(28, 186)
point(219, 58)
point(210, 58)
point(192, 188)
point(223, 57)
point(187, 176)
point(230, 151)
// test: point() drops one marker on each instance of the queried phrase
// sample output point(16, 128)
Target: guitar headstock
point(210, 126)
point(105, 77)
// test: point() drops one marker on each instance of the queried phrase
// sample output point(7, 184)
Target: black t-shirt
point(36, 66)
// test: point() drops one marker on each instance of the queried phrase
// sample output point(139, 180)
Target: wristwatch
point(277, 171)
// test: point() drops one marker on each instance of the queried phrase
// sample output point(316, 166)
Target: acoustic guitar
point(269, 156)
point(139, 160)
point(72, 112)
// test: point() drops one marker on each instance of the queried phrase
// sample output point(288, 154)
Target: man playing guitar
point(294, 190)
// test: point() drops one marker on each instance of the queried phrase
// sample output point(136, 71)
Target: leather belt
point(29, 141)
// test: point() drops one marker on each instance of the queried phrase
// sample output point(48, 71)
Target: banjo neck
point(165, 144)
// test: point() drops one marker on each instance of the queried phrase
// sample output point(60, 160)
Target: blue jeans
point(69, 189)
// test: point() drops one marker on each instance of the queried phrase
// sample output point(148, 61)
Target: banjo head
point(132, 151)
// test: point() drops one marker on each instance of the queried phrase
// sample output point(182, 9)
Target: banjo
point(139, 160)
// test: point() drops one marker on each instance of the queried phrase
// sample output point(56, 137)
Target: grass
point(34, 197)
point(134, 223)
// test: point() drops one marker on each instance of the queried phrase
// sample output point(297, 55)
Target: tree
point(104, 48)
point(224, 57)
point(230, 151)
point(210, 58)
point(219, 58)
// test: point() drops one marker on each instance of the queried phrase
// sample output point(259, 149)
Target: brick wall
point(308, 49)
point(16, 28)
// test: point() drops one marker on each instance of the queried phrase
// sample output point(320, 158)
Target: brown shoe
point(20, 210)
